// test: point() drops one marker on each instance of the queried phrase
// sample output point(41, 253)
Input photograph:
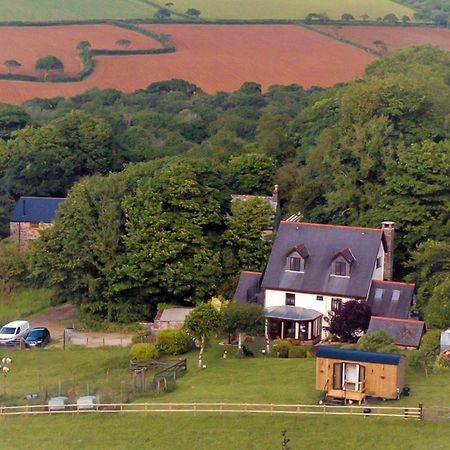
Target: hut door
point(337, 376)
point(351, 376)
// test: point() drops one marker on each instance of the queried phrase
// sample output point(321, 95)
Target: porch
point(292, 322)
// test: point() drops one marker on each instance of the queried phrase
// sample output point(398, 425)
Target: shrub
point(443, 360)
point(280, 348)
point(297, 351)
point(143, 352)
point(173, 342)
point(378, 341)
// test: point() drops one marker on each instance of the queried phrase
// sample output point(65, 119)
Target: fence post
point(420, 411)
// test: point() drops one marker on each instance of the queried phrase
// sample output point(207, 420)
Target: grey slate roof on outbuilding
point(358, 355)
point(323, 242)
point(248, 286)
point(445, 340)
point(391, 299)
point(174, 314)
point(36, 209)
point(407, 333)
point(291, 313)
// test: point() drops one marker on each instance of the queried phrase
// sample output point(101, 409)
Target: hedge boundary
point(87, 56)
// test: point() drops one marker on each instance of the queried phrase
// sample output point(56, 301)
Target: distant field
point(289, 9)
point(217, 57)
point(43, 10)
point(27, 44)
point(393, 37)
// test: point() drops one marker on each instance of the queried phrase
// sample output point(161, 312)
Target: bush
point(378, 341)
point(297, 351)
point(443, 360)
point(173, 342)
point(143, 352)
point(280, 348)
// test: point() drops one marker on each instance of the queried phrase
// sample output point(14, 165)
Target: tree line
point(149, 176)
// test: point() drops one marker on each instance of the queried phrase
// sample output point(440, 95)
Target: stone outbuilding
point(31, 215)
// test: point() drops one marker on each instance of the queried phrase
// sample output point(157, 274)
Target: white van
point(14, 331)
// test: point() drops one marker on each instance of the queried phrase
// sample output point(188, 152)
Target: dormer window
point(296, 264)
point(340, 268)
point(341, 263)
point(296, 258)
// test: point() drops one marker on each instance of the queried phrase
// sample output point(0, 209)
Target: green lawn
point(32, 370)
point(290, 9)
point(43, 10)
point(200, 432)
point(256, 379)
point(23, 302)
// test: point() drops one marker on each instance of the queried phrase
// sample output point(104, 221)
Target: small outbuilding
point(171, 318)
point(354, 375)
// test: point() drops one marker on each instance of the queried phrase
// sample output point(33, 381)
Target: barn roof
point(323, 242)
point(358, 356)
point(36, 209)
point(391, 299)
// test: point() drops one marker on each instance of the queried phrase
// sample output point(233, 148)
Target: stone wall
point(24, 232)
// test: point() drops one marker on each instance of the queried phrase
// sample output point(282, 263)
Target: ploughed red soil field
point(393, 37)
point(27, 44)
point(216, 57)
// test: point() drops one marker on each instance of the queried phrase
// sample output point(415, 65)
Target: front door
point(351, 375)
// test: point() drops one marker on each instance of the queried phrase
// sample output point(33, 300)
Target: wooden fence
point(407, 413)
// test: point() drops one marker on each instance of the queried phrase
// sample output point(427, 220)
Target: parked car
point(38, 337)
point(87, 402)
point(13, 331)
point(58, 403)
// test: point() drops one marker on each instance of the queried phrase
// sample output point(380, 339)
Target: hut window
point(395, 295)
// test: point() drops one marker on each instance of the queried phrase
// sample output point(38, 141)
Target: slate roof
point(445, 340)
point(35, 209)
point(292, 313)
point(245, 198)
point(406, 333)
point(174, 314)
point(323, 243)
point(391, 299)
point(248, 286)
point(358, 356)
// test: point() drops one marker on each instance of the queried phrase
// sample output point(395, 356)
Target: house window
point(395, 295)
point(336, 304)
point(319, 298)
point(296, 264)
point(378, 265)
point(290, 299)
point(340, 268)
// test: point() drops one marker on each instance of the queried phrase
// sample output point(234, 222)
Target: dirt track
point(58, 318)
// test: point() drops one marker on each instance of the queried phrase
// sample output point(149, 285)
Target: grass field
point(290, 9)
point(257, 379)
point(173, 432)
point(22, 303)
point(49, 10)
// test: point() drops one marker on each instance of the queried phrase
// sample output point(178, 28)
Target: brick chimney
point(388, 232)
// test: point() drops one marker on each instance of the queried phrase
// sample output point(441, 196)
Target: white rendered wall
point(378, 273)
